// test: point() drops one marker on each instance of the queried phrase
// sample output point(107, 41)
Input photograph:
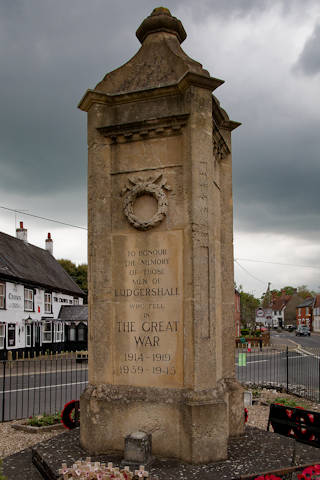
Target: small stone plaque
point(137, 449)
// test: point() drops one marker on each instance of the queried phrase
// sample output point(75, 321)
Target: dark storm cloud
point(309, 59)
point(51, 52)
point(276, 180)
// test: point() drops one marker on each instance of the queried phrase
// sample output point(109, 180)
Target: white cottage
point(33, 287)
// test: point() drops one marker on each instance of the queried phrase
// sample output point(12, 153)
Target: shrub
point(245, 331)
point(44, 420)
point(288, 402)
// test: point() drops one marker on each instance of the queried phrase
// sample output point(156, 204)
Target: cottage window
point(47, 303)
point(47, 332)
point(72, 334)
point(307, 310)
point(28, 335)
point(58, 332)
point(299, 312)
point(81, 333)
point(11, 334)
point(2, 295)
point(28, 300)
point(76, 301)
point(2, 335)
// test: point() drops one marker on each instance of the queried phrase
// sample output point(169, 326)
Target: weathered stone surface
point(137, 449)
point(255, 452)
point(30, 429)
point(161, 314)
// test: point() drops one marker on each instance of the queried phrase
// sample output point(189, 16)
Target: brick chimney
point(49, 244)
point(22, 233)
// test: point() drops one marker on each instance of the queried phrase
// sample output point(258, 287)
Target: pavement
point(256, 452)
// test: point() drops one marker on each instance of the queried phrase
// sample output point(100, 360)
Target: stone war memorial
point(161, 292)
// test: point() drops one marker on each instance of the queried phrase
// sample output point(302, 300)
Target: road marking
point(308, 353)
point(254, 361)
point(43, 372)
point(295, 343)
point(44, 386)
point(291, 358)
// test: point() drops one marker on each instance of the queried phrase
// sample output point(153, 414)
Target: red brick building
point(305, 313)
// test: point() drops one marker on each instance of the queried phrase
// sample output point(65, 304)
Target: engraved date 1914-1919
point(139, 357)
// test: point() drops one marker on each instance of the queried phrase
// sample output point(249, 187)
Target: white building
point(33, 287)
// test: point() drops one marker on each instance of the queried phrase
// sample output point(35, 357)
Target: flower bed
point(311, 472)
point(40, 423)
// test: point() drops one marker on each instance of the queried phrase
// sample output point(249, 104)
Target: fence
point(45, 384)
point(40, 385)
point(294, 370)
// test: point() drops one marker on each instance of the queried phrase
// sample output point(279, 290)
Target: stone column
point(161, 313)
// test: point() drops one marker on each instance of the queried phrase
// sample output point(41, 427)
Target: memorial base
point(187, 425)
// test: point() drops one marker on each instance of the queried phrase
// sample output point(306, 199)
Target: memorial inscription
point(148, 303)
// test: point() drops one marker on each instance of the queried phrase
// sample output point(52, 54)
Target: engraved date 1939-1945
point(139, 370)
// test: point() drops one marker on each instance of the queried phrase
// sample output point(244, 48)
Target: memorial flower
point(267, 477)
point(246, 415)
point(310, 473)
point(87, 470)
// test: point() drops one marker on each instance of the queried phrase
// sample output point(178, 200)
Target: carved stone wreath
point(153, 186)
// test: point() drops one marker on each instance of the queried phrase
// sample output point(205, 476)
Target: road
point(30, 388)
point(33, 387)
point(293, 362)
point(288, 338)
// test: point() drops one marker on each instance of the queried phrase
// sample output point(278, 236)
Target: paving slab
point(256, 452)
point(19, 466)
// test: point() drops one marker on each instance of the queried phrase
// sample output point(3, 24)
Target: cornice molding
point(160, 127)
point(92, 97)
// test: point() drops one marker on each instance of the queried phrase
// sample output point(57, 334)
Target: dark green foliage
point(248, 306)
point(44, 420)
point(245, 331)
point(2, 477)
point(288, 402)
point(303, 291)
point(78, 273)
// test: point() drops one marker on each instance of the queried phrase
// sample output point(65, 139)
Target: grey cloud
point(276, 180)
point(309, 59)
point(51, 52)
point(241, 8)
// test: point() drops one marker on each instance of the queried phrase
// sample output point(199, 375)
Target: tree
point(248, 306)
point(78, 273)
point(303, 291)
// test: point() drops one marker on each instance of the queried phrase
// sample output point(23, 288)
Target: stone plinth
point(161, 313)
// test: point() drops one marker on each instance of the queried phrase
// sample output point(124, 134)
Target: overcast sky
point(268, 54)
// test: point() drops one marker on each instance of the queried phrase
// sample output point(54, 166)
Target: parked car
point(303, 330)
point(290, 328)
